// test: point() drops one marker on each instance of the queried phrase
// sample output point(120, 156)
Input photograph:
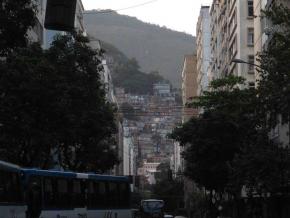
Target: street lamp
point(240, 61)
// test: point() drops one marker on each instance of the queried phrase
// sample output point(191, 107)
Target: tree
point(212, 140)
point(27, 87)
point(90, 119)
point(274, 82)
point(16, 18)
point(53, 101)
point(129, 76)
point(168, 189)
point(228, 146)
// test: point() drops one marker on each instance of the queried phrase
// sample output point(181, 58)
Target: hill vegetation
point(126, 72)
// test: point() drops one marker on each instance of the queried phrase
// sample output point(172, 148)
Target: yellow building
point(189, 85)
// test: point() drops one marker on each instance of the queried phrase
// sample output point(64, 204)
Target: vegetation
point(129, 76)
point(168, 189)
point(274, 83)
point(225, 127)
point(16, 18)
point(126, 73)
point(228, 148)
point(53, 107)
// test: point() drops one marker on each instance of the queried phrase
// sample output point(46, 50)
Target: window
point(113, 194)
point(92, 194)
point(63, 198)
point(251, 61)
point(250, 36)
point(10, 189)
point(251, 85)
point(101, 194)
point(250, 8)
point(49, 194)
point(78, 194)
point(124, 192)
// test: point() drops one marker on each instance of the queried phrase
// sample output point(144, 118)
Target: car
point(167, 216)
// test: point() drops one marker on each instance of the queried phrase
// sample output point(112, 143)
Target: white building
point(36, 34)
point(203, 49)
point(161, 89)
point(232, 37)
point(175, 161)
point(148, 170)
point(128, 153)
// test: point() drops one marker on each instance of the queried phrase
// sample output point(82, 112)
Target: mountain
point(155, 48)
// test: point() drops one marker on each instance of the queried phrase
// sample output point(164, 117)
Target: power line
point(121, 9)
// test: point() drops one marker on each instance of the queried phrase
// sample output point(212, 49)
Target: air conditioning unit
point(60, 15)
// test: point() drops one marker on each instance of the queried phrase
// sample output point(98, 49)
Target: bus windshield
point(152, 206)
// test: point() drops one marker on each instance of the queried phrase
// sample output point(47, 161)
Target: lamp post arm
point(239, 61)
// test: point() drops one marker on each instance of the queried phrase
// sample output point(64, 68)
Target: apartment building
point(232, 37)
point(203, 49)
point(189, 90)
point(189, 85)
point(262, 33)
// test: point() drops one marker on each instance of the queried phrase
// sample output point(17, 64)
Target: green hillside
point(126, 72)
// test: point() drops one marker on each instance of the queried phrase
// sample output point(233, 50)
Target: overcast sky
point(180, 15)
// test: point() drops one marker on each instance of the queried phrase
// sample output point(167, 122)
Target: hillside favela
point(144, 109)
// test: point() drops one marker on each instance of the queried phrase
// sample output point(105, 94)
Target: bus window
point(10, 187)
point(101, 191)
point(91, 201)
point(113, 194)
point(34, 196)
point(49, 194)
point(78, 194)
point(63, 197)
point(16, 191)
point(124, 195)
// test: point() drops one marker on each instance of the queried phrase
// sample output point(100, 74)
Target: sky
point(180, 15)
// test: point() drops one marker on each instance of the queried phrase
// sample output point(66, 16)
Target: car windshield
point(152, 206)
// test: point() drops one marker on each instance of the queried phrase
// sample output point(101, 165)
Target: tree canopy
point(228, 145)
point(129, 76)
point(16, 18)
point(53, 108)
point(274, 81)
point(126, 72)
point(167, 188)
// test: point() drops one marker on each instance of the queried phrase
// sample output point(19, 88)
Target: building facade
point(37, 33)
point(189, 85)
point(262, 33)
point(232, 37)
point(203, 49)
